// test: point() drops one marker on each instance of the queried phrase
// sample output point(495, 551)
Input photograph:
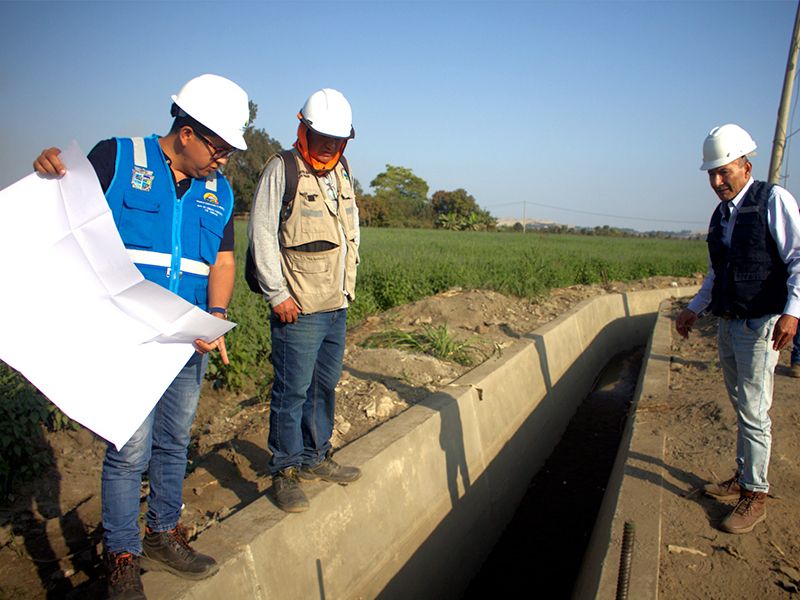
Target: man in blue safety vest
point(753, 286)
point(173, 211)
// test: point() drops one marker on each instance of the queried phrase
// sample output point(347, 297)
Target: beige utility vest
point(313, 276)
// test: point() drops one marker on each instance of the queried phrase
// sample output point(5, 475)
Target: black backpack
point(290, 191)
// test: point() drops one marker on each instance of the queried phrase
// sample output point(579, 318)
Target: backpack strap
point(291, 177)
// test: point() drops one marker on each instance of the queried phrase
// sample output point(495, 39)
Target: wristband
point(218, 310)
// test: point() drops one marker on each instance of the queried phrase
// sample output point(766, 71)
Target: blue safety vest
point(172, 241)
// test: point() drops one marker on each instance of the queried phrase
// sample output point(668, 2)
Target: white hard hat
point(328, 112)
point(724, 145)
point(219, 104)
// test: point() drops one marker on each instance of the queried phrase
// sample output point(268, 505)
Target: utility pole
point(779, 143)
point(524, 224)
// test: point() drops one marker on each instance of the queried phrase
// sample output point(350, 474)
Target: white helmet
point(219, 104)
point(328, 112)
point(724, 145)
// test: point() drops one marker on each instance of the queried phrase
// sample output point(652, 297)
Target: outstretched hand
point(685, 322)
point(219, 343)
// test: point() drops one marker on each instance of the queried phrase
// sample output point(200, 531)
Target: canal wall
point(441, 480)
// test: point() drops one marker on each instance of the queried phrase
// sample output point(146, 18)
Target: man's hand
point(685, 322)
point(48, 163)
point(784, 331)
point(287, 311)
point(219, 343)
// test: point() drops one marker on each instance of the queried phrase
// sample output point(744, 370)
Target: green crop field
point(402, 265)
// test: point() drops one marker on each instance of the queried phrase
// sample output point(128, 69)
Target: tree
point(487, 221)
point(450, 221)
point(403, 197)
point(457, 202)
point(244, 168)
point(372, 211)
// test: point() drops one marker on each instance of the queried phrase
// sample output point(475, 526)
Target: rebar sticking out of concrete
point(628, 537)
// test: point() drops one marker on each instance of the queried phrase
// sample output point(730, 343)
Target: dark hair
point(743, 160)
point(183, 120)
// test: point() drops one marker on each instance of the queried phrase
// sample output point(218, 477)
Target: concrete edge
point(451, 468)
point(635, 488)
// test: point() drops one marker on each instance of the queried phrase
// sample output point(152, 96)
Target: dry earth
point(697, 560)
point(50, 528)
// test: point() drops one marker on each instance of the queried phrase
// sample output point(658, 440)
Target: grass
point(435, 341)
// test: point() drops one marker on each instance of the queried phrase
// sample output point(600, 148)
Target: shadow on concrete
point(469, 530)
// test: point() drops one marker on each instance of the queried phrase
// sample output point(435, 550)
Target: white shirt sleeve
point(783, 217)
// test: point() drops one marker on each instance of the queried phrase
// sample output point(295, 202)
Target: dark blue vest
point(172, 241)
point(750, 276)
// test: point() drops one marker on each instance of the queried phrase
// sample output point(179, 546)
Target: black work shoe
point(124, 579)
point(289, 496)
point(169, 551)
point(330, 470)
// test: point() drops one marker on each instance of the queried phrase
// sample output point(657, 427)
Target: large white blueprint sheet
point(76, 316)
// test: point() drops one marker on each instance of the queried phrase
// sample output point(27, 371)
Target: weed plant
point(24, 413)
point(436, 341)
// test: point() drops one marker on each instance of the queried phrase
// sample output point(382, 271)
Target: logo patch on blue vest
point(209, 197)
point(142, 179)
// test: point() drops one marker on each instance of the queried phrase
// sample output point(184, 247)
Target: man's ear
point(185, 135)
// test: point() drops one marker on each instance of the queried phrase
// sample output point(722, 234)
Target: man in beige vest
point(306, 252)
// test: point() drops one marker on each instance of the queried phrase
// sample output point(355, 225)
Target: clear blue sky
point(599, 107)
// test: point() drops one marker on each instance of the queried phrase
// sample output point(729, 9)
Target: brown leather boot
point(749, 512)
point(727, 490)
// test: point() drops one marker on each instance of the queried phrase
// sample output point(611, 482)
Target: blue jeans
point(159, 447)
point(795, 360)
point(307, 357)
point(748, 365)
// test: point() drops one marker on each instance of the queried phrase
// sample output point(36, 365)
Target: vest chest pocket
point(211, 230)
point(348, 203)
point(138, 219)
point(312, 213)
point(750, 271)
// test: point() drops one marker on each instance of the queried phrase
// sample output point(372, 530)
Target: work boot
point(124, 579)
point(794, 370)
point(330, 470)
point(289, 496)
point(749, 512)
point(727, 490)
point(169, 551)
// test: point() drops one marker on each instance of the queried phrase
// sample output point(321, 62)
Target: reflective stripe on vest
point(140, 160)
point(160, 259)
point(139, 153)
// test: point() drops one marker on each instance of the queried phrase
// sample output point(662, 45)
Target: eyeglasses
point(216, 153)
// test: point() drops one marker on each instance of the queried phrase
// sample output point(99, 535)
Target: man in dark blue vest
point(173, 211)
point(753, 287)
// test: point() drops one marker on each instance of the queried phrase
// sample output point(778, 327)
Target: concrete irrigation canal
point(443, 480)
